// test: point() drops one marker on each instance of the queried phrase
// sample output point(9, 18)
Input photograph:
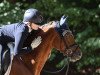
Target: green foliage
point(84, 20)
point(10, 13)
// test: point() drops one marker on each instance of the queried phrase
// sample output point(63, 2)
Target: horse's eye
point(51, 22)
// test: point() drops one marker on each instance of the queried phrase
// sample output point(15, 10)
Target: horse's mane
point(35, 33)
point(31, 36)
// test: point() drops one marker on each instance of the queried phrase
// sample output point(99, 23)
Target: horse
point(32, 63)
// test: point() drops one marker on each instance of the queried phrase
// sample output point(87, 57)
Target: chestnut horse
point(31, 63)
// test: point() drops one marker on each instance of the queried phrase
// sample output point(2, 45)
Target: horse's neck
point(46, 43)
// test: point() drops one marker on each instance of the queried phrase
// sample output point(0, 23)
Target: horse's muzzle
point(76, 56)
point(73, 53)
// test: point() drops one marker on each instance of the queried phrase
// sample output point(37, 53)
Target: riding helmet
point(32, 15)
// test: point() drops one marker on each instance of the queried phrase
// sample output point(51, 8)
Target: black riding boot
point(1, 66)
point(0, 58)
point(5, 59)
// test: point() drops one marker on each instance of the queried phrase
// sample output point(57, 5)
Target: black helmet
point(32, 15)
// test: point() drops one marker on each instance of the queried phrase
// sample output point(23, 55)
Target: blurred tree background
point(83, 20)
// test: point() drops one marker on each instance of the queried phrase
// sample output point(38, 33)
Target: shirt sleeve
point(19, 40)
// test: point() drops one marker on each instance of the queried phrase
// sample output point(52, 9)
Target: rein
point(54, 72)
point(66, 57)
point(66, 49)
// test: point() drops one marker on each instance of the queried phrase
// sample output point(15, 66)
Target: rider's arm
point(19, 40)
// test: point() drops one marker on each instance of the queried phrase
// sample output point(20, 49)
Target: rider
point(18, 32)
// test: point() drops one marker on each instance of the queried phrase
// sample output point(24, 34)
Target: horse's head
point(64, 40)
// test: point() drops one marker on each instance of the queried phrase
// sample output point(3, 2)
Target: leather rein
point(66, 57)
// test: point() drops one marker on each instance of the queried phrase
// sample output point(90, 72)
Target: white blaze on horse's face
point(36, 42)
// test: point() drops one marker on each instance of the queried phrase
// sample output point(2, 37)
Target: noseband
point(68, 51)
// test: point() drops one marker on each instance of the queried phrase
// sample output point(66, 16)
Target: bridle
point(66, 56)
point(68, 50)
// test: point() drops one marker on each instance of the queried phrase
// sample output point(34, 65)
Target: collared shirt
point(16, 32)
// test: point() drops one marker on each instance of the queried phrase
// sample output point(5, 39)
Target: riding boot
point(11, 47)
point(0, 55)
point(1, 61)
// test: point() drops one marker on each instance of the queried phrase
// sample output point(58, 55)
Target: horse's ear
point(63, 22)
point(63, 19)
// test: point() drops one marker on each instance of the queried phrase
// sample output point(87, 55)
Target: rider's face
point(34, 26)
